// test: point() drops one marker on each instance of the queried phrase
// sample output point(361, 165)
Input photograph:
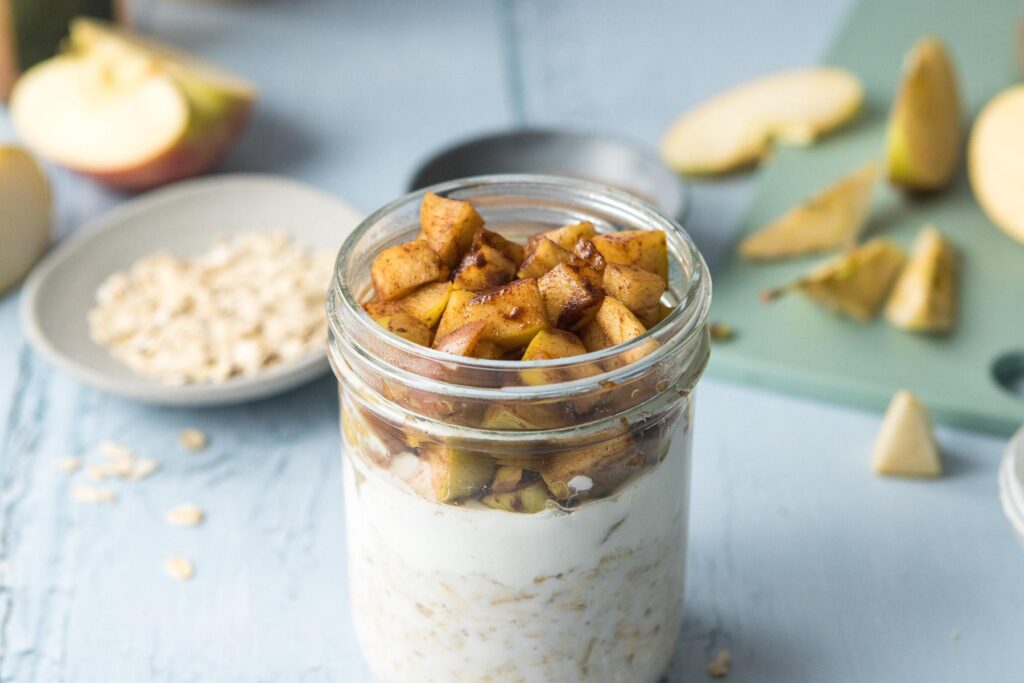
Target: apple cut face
point(996, 161)
point(738, 127)
point(99, 116)
point(25, 214)
point(833, 218)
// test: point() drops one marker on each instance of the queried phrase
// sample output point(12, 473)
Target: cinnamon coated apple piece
point(570, 299)
point(400, 270)
point(514, 313)
point(448, 226)
point(645, 249)
point(541, 256)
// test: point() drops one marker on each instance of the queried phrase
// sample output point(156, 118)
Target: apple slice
point(905, 445)
point(831, 219)
point(25, 214)
point(128, 112)
point(925, 129)
point(737, 128)
point(924, 297)
point(854, 284)
point(996, 160)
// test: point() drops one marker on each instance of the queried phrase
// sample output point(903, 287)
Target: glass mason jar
point(510, 520)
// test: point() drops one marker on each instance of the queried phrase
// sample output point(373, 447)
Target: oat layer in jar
point(510, 519)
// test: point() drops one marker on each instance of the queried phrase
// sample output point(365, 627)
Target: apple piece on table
point(738, 127)
point(833, 218)
point(924, 297)
point(925, 130)
point(905, 445)
point(995, 157)
point(26, 209)
point(126, 114)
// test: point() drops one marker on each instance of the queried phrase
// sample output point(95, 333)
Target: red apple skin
point(197, 151)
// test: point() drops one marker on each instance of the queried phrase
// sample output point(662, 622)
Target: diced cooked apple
point(588, 254)
point(570, 300)
point(515, 252)
point(506, 479)
point(507, 418)
point(448, 226)
point(428, 302)
point(548, 345)
point(905, 445)
point(613, 324)
point(924, 297)
point(832, 218)
point(515, 313)
point(456, 474)
point(399, 270)
point(568, 236)
point(854, 284)
point(645, 249)
point(484, 268)
point(593, 469)
point(378, 309)
point(541, 256)
point(739, 126)
point(454, 315)
point(468, 340)
point(528, 499)
point(639, 289)
point(406, 326)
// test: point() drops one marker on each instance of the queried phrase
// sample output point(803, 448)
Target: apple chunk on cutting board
point(129, 113)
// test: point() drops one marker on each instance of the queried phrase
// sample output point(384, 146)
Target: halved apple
point(831, 219)
point(925, 129)
point(996, 160)
point(25, 214)
point(738, 127)
point(128, 113)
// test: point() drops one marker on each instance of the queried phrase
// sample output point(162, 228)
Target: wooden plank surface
point(801, 563)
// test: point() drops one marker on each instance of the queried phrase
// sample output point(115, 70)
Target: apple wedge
point(130, 114)
point(854, 284)
point(905, 445)
point(831, 219)
point(738, 127)
point(25, 214)
point(995, 157)
point(925, 130)
point(924, 297)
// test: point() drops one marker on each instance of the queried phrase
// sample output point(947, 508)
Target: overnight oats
point(516, 358)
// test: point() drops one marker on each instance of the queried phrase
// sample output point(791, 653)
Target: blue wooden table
point(803, 564)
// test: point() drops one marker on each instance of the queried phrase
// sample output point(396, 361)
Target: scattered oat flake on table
point(68, 465)
point(142, 468)
point(116, 452)
point(192, 440)
point(253, 301)
point(719, 666)
point(178, 567)
point(185, 514)
point(721, 331)
point(92, 494)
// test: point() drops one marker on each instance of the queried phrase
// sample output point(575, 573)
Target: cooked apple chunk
point(528, 499)
point(468, 340)
point(854, 284)
point(506, 479)
point(484, 268)
point(448, 226)
point(428, 302)
point(406, 326)
point(514, 252)
point(570, 300)
point(831, 219)
point(568, 236)
point(645, 249)
point(515, 313)
point(455, 474)
point(592, 469)
point(541, 256)
point(639, 289)
point(924, 297)
point(507, 418)
point(454, 315)
point(400, 270)
point(613, 324)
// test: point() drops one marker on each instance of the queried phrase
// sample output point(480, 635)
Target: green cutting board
point(794, 345)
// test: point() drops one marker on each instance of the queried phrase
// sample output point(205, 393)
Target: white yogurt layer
point(460, 593)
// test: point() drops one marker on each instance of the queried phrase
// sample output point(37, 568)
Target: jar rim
point(685, 319)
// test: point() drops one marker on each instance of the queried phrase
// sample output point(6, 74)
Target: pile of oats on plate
point(250, 302)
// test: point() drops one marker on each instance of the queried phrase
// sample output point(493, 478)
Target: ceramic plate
point(183, 219)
